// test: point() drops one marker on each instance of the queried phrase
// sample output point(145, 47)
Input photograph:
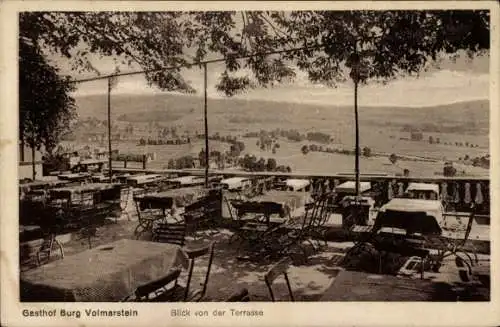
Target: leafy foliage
point(393, 158)
point(271, 164)
point(377, 45)
point(367, 152)
point(45, 107)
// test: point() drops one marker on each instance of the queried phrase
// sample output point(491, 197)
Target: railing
point(457, 193)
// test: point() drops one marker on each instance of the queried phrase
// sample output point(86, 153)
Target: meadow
point(381, 129)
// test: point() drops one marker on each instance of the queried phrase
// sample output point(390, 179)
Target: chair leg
point(61, 249)
point(422, 267)
point(190, 275)
point(289, 287)
point(270, 290)
point(205, 284)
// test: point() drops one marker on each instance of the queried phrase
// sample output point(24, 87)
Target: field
point(380, 129)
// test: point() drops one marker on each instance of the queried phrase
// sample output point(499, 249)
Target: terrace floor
point(309, 281)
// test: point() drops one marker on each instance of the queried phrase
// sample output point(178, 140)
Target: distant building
point(417, 136)
point(26, 159)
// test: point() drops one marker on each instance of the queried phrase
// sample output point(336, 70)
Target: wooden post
point(109, 132)
point(207, 151)
point(125, 162)
point(356, 162)
point(143, 161)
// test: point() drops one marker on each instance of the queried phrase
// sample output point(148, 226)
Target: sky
point(463, 80)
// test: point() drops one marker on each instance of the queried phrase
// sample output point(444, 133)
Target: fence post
point(143, 161)
point(125, 162)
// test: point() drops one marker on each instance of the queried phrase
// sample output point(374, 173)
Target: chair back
point(84, 199)
point(281, 268)
point(193, 254)
point(240, 296)
point(310, 218)
point(142, 292)
point(170, 233)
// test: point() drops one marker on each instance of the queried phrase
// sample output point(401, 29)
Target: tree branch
point(116, 43)
point(275, 29)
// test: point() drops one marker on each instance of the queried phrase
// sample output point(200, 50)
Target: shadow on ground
point(309, 280)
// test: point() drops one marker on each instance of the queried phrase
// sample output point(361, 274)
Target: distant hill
point(467, 117)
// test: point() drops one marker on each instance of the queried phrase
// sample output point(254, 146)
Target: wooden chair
point(150, 212)
point(46, 249)
point(240, 296)
point(202, 215)
point(170, 233)
point(193, 254)
point(319, 215)
point(281, 268)
point(182, 293)
point(124, 199)
point(449, 247)
point(392, 235)
point(283, 240)
point(157, 287)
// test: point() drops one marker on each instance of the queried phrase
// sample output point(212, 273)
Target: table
point(40, 185)
point(361, 286)
point(107, 273)
point(181, 197)
point(280, 203)
point(166, 200)
point(70, 192)
point(289, 200)
point(90, 165)
point(145, 179)
point(261, 230)
point(75, 177)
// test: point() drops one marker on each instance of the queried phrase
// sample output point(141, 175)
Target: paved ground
point(228, 275)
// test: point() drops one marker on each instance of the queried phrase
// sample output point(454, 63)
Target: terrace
point(323, 268)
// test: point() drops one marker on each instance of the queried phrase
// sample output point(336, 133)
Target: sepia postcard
point(249, 163)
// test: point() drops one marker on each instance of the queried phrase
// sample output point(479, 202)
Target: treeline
point(417, 134)
point(150, 115)
point(131, 157)
point(150, 141)
point(480, 161)
point(460, 144)
point(183, 162)
point(291, 135)
point(250, 163)
point(236, 148)
point(220, 158)
point(366, 151)
point(469, 127)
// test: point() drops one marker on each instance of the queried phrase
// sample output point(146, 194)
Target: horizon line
point(309, 103)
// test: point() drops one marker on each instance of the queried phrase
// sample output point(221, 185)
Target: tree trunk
point(21, 137)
